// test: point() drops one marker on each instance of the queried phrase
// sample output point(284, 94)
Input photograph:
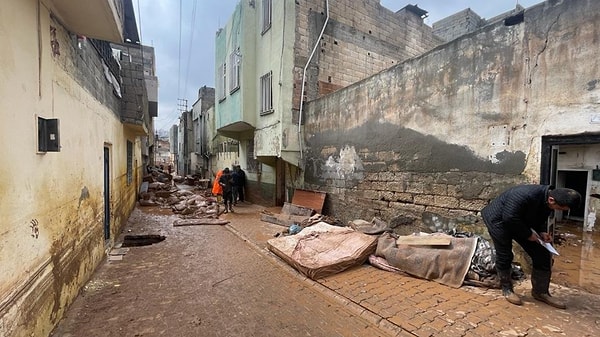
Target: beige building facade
point(73, 154)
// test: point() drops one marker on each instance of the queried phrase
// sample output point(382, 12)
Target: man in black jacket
point(226, 183)
point(521, 213)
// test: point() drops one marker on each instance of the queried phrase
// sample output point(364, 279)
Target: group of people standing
point(230, 185)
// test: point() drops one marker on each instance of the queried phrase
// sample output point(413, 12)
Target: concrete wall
point(445, 132)
point(361, 38)
point(458, 24)
point(52, 203)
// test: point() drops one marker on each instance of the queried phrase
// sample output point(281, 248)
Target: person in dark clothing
point(226, 183)
point(235, 176)
point(239, 183)
point(521, 213)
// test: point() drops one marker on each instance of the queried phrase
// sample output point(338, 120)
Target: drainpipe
point(304, 76)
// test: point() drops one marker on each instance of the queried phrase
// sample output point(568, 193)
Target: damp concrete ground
point(223, 281)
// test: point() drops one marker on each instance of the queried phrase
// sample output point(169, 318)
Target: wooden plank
point(424, 240)
point(292, 209)
point(283, 219)
point(199, 222)
point(310, 199)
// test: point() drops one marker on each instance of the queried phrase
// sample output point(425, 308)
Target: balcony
point(99, 19)
point(134, 106)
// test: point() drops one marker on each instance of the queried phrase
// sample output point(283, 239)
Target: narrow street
point(202, 281)
point(222, 281)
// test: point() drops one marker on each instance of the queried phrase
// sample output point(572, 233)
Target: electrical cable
point(187, 73)
point(179, 54)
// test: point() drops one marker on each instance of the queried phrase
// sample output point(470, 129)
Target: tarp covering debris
point(322, 249)
point(444, 264)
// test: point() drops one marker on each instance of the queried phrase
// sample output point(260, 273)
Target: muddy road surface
point(201, 281)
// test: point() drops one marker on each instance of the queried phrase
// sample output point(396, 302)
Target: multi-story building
point(272, 56)
point(162, 153)
point(199, 150)
point(76, 120)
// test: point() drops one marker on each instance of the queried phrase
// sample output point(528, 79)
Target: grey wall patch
point(85, 194)
point(346, 166)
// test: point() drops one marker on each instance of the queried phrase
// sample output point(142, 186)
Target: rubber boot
point(540, 284)
point(507, 287)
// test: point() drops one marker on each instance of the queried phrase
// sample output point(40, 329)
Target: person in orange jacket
point(217, 190)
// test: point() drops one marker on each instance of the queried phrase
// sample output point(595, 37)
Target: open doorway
point(577, 180)
point(570, 161)
point(106, 193)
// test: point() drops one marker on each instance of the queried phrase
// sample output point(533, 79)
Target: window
point(48, 135)
point(221, 80)
point(266, 15)
point(129, 162)
point(266, 100)
point(234, 68)
point(252, 165)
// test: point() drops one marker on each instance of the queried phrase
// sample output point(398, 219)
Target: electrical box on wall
point(48, 135)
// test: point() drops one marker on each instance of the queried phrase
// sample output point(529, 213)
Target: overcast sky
point(185, 53)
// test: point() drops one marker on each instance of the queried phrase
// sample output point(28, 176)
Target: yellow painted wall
point(51, 204)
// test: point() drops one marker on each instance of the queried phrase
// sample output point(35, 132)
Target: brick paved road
point(406, 306)
point(188, 286)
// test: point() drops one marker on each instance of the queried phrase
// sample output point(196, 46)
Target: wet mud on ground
point(201, 281)
point(578, 265)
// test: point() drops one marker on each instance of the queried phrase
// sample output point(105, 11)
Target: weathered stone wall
point(445, 132)
point(458, 24)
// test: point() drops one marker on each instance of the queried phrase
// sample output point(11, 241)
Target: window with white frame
point(221, 81)
point(266, 91)
point(267, 7)
point(234, 68)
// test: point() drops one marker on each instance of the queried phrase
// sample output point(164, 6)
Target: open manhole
point(141, 240)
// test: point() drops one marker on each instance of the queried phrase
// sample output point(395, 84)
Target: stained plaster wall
point(445, 132)
point(275, 134)
point(52, 203)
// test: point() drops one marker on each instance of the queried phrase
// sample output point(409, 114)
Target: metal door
point(106, 193)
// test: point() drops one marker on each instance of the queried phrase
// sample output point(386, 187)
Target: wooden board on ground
point(310, 199)
point(283, 219)
point(424, 240)
point(198, 222)
point(292, 209)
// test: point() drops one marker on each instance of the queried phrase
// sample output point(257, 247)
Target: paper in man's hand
point(546, 245)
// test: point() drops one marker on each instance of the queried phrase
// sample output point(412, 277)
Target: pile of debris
point(318, 246)
point(194, 207)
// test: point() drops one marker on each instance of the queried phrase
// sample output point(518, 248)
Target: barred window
point(266, 100)
point(129, 162)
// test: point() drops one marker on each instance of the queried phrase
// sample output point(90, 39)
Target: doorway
point(578, 181)
point(106, 193)
point(569, 161)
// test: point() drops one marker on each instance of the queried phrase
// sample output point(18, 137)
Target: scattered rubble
point(196, 207)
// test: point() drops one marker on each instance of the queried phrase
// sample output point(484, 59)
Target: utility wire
point(179, 55)
point(190, 47)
